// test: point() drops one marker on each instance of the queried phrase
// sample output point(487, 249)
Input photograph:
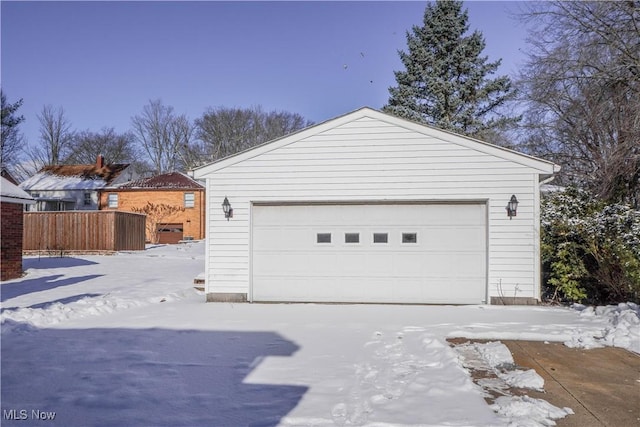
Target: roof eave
point(17, 200)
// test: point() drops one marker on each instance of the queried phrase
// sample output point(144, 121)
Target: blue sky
point(103, 61)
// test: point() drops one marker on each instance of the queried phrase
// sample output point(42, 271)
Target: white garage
point(372, 208)
point(390, 253)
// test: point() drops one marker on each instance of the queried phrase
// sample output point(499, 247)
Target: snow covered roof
point(172, 180)
point(74, 177)
point(11, 193)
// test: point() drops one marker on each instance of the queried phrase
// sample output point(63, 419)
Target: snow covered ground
point(126, 340)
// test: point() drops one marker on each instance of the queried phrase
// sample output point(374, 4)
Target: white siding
point(77, 196)
point(368, 159)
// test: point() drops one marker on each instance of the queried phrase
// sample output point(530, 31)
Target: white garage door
point(389, 253)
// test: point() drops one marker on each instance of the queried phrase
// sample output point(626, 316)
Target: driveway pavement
point(602, 385)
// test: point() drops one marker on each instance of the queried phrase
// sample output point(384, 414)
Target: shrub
point(590, 250)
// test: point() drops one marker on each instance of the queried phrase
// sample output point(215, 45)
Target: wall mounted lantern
point(228, 210)
point(512, 207)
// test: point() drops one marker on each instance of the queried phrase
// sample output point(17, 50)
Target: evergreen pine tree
point(446, 82)
point(10, 138)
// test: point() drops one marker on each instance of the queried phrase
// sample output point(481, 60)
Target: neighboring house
point(173, 189)
point(74, 187)
point(12, 201)
point(369, 207)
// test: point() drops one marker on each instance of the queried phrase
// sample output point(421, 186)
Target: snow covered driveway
point(126, 340)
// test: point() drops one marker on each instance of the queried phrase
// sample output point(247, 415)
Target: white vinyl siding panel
point(370, 160)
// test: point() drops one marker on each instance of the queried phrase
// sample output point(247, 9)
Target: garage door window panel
point(323, 238)
point(380, 237)
point(352, 237)
point(410, 238)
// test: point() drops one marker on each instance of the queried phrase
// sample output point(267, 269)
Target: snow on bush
point(590, 250)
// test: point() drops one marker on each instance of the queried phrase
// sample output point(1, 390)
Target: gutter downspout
point(202, 215)
point(546, 181)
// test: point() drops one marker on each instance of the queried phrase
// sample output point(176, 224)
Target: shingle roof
point(172, 180)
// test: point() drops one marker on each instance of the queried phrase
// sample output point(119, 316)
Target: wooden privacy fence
point(68, 231)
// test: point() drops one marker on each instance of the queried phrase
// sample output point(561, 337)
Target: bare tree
point(11, 140)
point(162, 135)
point(582, 88)
point(279, 123)
point(55, 136)
point(181, 133)
point(226, 131)
point(193, 155)
point(115, 147)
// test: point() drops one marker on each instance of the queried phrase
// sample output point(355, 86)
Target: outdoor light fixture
point(512, 207)
point(228, 210)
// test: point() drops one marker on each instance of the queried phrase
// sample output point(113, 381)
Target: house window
point(87, 199)
point(112, 200)
point(352, 237)
point(189, 200)
point(409, 237)
point(323, 238)
point(380, 238)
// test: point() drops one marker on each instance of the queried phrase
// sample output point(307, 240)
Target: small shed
point(12, 202)
point(372, 208)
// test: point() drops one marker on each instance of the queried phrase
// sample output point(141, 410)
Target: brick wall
point(11, 240)
point(192, 219)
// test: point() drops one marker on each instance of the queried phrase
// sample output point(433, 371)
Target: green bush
point(590, 250)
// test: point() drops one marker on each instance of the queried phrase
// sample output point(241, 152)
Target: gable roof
point(171, 180)
point(11, 193)
point(544, 167)
point(74, 177)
